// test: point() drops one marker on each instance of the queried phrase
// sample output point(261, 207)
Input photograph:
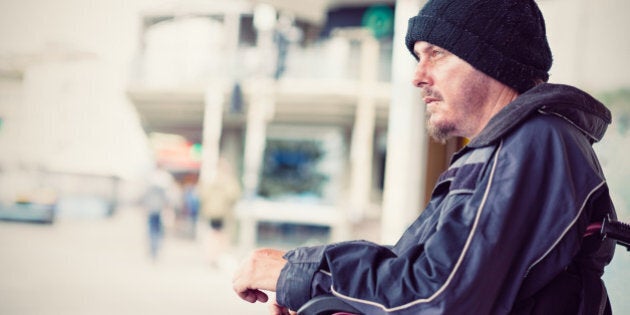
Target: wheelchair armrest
point(327, 304)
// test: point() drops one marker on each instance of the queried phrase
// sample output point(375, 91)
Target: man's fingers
point(252, 296)
point(246, 296)
point(261, 296)
point(257, 273)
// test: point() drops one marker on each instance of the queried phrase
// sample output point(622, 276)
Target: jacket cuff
point(293, 288)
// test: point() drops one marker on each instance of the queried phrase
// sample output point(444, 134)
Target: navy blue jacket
point(504, 223)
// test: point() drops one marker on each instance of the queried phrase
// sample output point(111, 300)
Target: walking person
point(217, 203)
point(155, 202)
point(191, 204)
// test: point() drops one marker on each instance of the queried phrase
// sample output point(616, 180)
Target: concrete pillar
point(406, 139)
point(212, 125)
point(259, 112)
point(262, 103)
point(232, 26)
point(361, 150)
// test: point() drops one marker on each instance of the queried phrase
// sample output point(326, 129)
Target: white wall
point(589, 42)
point(73, 114)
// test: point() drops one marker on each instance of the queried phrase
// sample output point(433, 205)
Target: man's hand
point(258, 273)
point(276, 309)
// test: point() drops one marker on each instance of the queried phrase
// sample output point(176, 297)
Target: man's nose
point(420, 75)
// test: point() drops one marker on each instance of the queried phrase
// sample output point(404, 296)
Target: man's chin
point(440, 132)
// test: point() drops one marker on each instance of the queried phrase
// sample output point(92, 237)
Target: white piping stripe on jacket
point(577, 216)
point(457, 264)
point(325, 272)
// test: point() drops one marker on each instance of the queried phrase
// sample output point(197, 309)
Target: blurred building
point(295, 96)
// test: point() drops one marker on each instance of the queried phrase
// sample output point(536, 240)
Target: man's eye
point(436, 53)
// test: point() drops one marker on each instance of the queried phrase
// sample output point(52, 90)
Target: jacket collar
point(570, 103)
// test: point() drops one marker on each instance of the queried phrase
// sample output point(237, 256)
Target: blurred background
point(146, 146)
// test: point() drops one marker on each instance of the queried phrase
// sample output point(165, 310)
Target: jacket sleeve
point(470, 249)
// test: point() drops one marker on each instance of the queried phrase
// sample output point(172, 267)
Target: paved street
point(101, 267)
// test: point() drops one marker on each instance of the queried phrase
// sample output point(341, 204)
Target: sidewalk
point(102, 267)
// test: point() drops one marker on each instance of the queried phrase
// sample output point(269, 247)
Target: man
point(503, 232)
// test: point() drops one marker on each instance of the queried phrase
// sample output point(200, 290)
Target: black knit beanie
point(505, 39)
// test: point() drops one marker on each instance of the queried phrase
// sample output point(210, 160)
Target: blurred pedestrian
point(191, 204)
point(155, 202)
point(217, 202)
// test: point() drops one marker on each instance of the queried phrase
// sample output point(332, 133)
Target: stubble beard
point(439, 132)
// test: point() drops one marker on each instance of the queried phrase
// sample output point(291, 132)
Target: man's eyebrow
point(424, 49)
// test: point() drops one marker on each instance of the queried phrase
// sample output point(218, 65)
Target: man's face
point(455, 93)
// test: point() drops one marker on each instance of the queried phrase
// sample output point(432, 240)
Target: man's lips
point(428, 100)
